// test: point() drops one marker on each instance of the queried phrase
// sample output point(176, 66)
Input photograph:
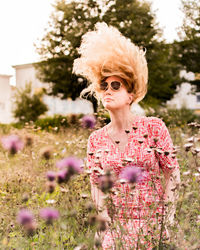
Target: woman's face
point(112, 98)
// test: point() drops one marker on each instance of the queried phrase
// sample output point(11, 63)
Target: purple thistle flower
point(49, 214)
point(105, 183)
point(12, 143)
point(51, 175)
point(88, 121)
point(72, 164)
point(132, 174)
point(25, 217)
point(63, 176)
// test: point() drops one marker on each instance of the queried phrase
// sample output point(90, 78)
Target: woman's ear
point(131, 98)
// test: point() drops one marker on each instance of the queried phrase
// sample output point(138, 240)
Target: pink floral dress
point(137, 212)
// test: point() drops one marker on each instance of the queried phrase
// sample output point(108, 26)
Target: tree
point(133, 18)
point(188, 49)
point(28, 107)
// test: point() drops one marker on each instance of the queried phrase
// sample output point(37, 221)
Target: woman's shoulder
point(97, 134)
point(154, 126)
point(150, 120)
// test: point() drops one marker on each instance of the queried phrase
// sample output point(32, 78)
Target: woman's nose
point(108, 90)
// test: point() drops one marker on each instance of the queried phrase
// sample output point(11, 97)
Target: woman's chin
point(108, 105)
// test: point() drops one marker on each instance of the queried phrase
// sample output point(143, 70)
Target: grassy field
point(23, 184)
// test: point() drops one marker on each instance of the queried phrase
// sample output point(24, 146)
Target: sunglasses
point(115, 85)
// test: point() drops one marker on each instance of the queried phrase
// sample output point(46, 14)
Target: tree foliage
point(133, 18)
point(28, 107)
point(188, 49)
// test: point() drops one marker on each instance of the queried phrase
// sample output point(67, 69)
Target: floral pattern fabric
point(149, 147)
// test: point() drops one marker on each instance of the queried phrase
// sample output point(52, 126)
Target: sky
point(22, 23)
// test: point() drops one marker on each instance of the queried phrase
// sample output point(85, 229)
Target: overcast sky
point(22, 22)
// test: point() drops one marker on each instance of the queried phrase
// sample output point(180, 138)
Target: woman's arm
point(171, 192)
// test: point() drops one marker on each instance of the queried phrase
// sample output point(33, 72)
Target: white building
point(5, 99)
point(186, 96)
point(26, 73)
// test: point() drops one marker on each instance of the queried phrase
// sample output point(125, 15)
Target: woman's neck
point(121, 120)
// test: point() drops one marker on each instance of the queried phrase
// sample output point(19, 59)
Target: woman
point(118, 75)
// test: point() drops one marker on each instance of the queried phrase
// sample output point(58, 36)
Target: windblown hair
point(106, 52)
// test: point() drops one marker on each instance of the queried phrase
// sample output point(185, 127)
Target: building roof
point(21, 66)
point(4, 75)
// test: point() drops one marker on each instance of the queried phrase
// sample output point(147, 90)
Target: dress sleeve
point(167, 159)
point(91, 160)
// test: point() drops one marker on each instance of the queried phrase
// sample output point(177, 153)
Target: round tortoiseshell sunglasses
point(115, 85)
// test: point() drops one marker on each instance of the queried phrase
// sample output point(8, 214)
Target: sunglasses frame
point(110, 84)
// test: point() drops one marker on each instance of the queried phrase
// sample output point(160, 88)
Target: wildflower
point(12, 143)
point(88, 121)
point(192, 124)
point(149, 150)
point(62, 176)
point(166, 153)
point(50, 186)
point(102, 223)
point(84, 195)
point(26, 219)
point(25, 197)
point(72, 164)
point(50, 201)
point(97, 242)
point(191, 139)
point(188, 146)
point(51, 176)
point(25, 216)
point(132, 174)
point(159, 151)
point(49, 214)
point(129, 160)
point(92, 219)
point(140, 140)
point(156, 139)
point(72, 213)
point(81, 247)
point(28, 140)
point(89, 206)
point(46, 152)
point(196, 150)
point(73, 119)
point(105, 182)
point(145, 136)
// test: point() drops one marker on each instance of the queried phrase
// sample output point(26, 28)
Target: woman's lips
point(107, 99)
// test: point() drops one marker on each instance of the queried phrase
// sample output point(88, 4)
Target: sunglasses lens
point(103, 85)
point(115, 85)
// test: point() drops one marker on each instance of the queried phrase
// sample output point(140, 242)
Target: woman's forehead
point(113, 78)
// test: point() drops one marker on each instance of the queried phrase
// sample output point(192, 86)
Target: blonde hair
point(106, 52)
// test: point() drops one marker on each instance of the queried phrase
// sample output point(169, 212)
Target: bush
point(58, 121)
point(174, 117)
point(28, 106)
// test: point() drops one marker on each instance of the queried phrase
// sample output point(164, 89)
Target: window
point(198, 98)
